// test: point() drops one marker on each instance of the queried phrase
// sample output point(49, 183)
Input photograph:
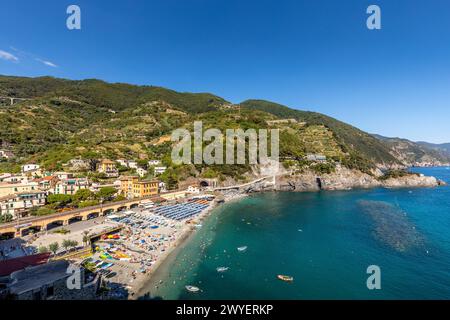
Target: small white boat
point(192, 289)
point(222, 269)
point(243, 248)
point(285, 278)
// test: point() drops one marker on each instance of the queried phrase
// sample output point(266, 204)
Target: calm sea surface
point(326, 241)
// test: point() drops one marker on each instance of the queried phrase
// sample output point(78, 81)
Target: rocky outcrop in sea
point(346, 179)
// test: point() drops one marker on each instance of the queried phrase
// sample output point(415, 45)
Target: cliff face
point(346, 179)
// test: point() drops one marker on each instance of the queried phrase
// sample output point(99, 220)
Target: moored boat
point(243, 248)
point(192, 289)
point(222, 269)
point(285, 278)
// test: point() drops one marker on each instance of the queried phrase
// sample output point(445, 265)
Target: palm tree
point(86, 238)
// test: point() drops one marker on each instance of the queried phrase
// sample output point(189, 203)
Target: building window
point(37, 295)
point(50, 291)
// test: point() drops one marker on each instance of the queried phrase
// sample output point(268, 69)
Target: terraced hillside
point(64, 119)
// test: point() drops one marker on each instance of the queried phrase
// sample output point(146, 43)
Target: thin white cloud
point(29, 55)
point(47, 63)
point(8, 56)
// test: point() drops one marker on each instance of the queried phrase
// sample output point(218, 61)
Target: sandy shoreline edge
point(151, 279)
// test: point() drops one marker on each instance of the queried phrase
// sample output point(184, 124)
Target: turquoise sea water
point(326, 241)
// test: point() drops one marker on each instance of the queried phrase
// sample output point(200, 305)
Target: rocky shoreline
point(347, 179)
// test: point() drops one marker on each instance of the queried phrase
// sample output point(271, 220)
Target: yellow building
point(131, 187)
point(145, 188)
point(108, 167)
point(13, 188)
point(126, 185)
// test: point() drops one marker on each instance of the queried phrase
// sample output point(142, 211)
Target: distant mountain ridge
point(441, 147)
point(417, 153)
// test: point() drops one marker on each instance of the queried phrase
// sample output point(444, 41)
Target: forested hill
point(62, 119)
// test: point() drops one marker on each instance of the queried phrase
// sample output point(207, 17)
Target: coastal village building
point(63, 175)
point(29, 167)
point(141, 172)
point(145, 188)
point(108, 167)
point(49, 282)
point(18, 205)
point(154, 162)
point(78, 165)
point(162, 186)
point(126, 185)
point(70, 186)
point(10, 178)
point(132, 164)
point(128, 163)
point(12, 188)
point(193, 189)
point(46, 183)
point(6, 154)
point(316, 157)
point(122, 162)
point(131, 187)
point(4, 176)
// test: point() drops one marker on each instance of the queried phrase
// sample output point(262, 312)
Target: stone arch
point(123, 208)
point(93, 215)
point(75, 219)
point(54, 224)
point(134, 205)
point(7, 235)
point(204, 184)
point(27, 231)
point(108, 212)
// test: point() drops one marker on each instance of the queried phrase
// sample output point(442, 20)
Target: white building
point(160, 170)
point(63, 175)
point(123, 162)
point(154, 162)
point(132, 164)
point(70, 186)
point(162, 187)
point(29, 167)
point(141, 172)
point(6, 154)
point(193, 189)
point(20, 203)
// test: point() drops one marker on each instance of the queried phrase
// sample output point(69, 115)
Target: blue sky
point(312, 55)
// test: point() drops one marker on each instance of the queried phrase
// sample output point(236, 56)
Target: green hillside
point(64, 119)
point(351, 139)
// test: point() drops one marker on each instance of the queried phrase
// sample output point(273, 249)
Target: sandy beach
point(152, 279)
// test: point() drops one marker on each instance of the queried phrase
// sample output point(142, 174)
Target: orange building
point(126, 185)
point(131, 187)
point(145, 188)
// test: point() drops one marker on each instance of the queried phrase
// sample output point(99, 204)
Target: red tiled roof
point(9, 266)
